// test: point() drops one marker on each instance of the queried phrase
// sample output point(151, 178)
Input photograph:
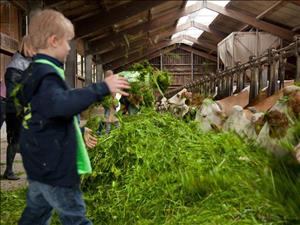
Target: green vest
point(82, 159)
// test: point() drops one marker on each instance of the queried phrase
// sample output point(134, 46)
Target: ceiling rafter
point(147, 51)
point(200, 42)
point(88, 26)
point(117, 53)
point(21, 4)
point(153, 55)
point(137, 55)
point(217, 34)
point(110, 53)
point(199, 53)
point(144, 27)
point(268, 11)
point(54, 3)
point(296, 2)
point(271, 28)
point(151, 40)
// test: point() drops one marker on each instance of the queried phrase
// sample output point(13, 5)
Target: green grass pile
point(156, 169)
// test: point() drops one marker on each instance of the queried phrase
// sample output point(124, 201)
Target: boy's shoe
point(11, 176)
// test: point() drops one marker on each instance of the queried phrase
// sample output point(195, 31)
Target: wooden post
point(227, 85)
point(253, 81)
point(260, 76)
point(270, 59)
point(99, 73)
point(88, 69)
point(212, 84)
point(161, 61)
point(297, 39)
point(273, 73)
point(231, 81)
point(71, 65)
point(244, 77)
point(220, 85)
point(192, 66)
point(224, 86)
point(282, 62)
point(200, 88)
point(269, 69)
point(237, 76)
point(207, 85)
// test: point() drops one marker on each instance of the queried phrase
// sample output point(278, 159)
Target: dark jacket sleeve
point(12, 77)
point(54, 101)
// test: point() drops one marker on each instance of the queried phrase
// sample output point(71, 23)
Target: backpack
point(22, 106)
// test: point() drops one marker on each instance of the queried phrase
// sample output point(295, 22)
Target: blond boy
point(52, 149)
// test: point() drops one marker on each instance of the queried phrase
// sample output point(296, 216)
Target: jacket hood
point(19, 62)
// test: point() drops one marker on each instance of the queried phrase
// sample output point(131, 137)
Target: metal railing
point(221, 83)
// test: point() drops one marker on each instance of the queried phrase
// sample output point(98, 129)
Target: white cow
point(238, 122)
point(210, 115)
point(176, 104)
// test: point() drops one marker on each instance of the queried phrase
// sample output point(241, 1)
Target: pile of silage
point(156, 169)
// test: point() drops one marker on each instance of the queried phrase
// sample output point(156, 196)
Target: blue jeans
point(43, 198)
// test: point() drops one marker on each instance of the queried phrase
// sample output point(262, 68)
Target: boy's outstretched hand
point(116, 84)
point(89, 139)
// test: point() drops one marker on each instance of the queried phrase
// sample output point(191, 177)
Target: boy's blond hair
point(48, 22)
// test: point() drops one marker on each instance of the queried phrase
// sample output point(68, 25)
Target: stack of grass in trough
point(156, 169)
point(145, 80)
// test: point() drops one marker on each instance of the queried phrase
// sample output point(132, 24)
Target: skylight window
point(190, 3)
point(192, 32)
point(220, 3)
point(178, 34)
point(184, 41)
point(182, 20)
point(204, 16)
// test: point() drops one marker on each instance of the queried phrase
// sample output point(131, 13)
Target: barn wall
point(10, 33)
point(184, 66)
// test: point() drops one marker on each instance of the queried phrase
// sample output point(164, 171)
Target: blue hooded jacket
point(48, 146)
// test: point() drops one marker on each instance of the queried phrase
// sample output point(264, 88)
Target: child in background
point(52, 147)
point(110, 109)
point(13, 75)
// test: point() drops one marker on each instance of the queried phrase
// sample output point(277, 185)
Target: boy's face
point(61, 48)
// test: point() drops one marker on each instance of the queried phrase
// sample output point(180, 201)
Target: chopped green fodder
point(156, 169)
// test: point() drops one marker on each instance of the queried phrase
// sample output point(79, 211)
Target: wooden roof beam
point(269, 10)
point(271, 28)
point(162, 51)
point(54, 3)
point(199, 53)
point(118, 51)
point(144, 27)
point(296, 2)
point(217, 34)
point(155, 54)
point(88, 26)
point(21, 4)
point(202, 43)
point(137, 56)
